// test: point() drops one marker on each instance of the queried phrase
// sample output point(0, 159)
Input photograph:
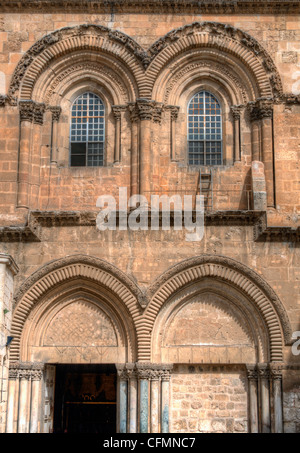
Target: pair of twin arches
point(139, 315)
point(92, 52)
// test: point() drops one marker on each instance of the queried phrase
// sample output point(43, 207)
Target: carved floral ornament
point(143, 64)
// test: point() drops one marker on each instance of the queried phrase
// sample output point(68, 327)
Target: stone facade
point(200, 333)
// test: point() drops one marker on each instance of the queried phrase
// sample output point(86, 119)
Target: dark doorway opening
point(85, 399)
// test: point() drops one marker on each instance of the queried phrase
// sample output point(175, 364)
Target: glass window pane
point(204, 130)
point(87, 124)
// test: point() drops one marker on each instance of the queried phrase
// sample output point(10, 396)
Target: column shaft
point(165, 394)
point(253, 402)
point(154, 420)
point(144, 405)
point(23, 406)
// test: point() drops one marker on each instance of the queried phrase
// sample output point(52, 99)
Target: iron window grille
point(87, 131)
point(204, 130)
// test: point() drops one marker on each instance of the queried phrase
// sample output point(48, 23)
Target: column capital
point(263, 370)
point(31, 111)
point(260, 109)
point(174, 110)
point(56, 112)
point(117, 110)
point(133, 112)
point(252, 373)
point(276, 371)
point(122, 371)
point(236, 111)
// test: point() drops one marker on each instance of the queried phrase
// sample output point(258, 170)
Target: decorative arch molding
point(146, 65)
point(247, 281)
point(223, 37)
point(71, 39)
point(73, 268)
point(192, 67)
point(80, 67)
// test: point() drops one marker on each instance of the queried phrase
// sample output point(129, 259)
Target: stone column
point(144, 373)
point(36, 377)
point(56, 111)
point(117, 111)
point(165, 397)
point(133, 397)
point(154, 400)
point(263, 373)
point(276, 385)
point(236, 113)
point(146, 110)
point(253, 406)
point(134, 156)
point(174, 110)
point(13, 379)
point(122, 393)
point(24, 402)
point(30, 112)
point(261, 115)
point(8, 269)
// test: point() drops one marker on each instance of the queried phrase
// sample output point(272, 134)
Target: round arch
point(265, 306)
point(93, 284)
point(124, 52)
point(247, 55)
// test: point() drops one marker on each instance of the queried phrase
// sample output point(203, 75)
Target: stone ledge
point(20, 234)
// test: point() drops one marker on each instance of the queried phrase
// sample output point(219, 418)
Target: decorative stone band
point(32, 111)
point(270, 371)
point(144, 371)
point(32, 371)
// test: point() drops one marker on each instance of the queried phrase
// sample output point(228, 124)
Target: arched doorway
point(71, 326)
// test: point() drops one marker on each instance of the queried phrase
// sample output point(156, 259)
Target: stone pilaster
point(8, 269)
point(276, 389)
point(253, 394)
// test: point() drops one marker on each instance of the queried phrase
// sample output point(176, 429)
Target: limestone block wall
point(207, 399)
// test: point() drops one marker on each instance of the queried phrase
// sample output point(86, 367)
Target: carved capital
point(56, 112)
point(122, 372)
point(174, 110)
point(263, 371)
point(252, 373)
point(13, 373)
point(2, 100)
point(31, 111)
point(262, 108)
point(145, 109)
point(133, 112)
point(236, 111)
point(276, 371)
point(117, 111)
point(157, 111)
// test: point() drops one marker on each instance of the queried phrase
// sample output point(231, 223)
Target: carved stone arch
point(84, 67)
point(264, 300)
point(88, 38)
point(227, 40)
point(192, 67)
point(54, 280)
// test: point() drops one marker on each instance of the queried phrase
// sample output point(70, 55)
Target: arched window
point(87, 131)
point(204, 130)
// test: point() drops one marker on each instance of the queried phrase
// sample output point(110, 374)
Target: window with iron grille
point(204, 130)
point(87, 131)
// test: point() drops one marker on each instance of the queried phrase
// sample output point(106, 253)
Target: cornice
point(49, 219)
point(155, 6)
